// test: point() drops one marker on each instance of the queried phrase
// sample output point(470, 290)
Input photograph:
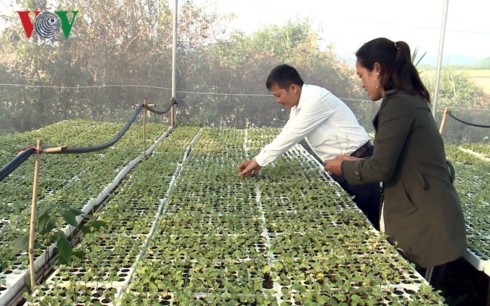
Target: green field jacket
point(422, 211)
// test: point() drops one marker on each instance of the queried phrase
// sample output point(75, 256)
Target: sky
point(347, 24)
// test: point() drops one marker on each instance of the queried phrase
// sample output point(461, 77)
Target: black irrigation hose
point(465, 122)
point(22, 157)
point(16, 162)
point(162, 112)
point(104, 145)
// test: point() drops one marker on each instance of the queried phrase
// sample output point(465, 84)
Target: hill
point(457, 61)
point(483, 64)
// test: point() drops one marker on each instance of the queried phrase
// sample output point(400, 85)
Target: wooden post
point(32, 230)
point(443, 121)
point(172, 113)
point(145, 113)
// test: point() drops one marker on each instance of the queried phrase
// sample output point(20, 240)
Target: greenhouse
point(118, 167)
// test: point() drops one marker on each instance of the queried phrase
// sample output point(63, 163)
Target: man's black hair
point(283, 76)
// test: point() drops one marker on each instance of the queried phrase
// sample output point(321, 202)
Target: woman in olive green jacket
point(421, 210)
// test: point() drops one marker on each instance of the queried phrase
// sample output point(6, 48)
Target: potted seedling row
point(184, 229)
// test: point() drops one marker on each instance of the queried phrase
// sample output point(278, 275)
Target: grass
point(481, 78)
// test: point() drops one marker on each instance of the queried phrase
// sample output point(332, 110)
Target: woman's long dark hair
point(397, 69)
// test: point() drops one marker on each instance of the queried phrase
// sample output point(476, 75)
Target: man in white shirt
point(328, 126)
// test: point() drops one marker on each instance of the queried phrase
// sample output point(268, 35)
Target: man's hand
point(248, 168)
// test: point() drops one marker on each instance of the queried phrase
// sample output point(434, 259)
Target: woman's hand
point(335, 165)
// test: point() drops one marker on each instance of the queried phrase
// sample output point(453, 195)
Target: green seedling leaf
point(322, 300)
point(20, 244)
point(266, 269)
point(45, 210)
point(93, 226)
point(70, 215)
point(64, 247)
point(79, 254)
point(278, 266)
point(299, 288)
point(45, 222)
point(153, 287)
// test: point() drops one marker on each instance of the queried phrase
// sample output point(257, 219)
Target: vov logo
point(47, 24)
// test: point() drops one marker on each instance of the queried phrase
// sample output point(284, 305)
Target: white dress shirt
point(328, 125)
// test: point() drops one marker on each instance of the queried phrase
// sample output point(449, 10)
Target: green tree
point(87, 75)
point(240, 63)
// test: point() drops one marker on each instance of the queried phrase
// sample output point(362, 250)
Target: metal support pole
point(174, 57)
point(439, 59)
point(32, 230)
